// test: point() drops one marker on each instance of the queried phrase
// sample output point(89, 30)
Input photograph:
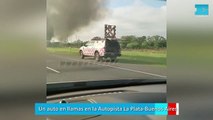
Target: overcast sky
point(132, 17)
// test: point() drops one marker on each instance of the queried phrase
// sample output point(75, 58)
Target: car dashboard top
point(152, 93)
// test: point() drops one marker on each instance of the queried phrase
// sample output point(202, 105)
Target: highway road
point(63, 68)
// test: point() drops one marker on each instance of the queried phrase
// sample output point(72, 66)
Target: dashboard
point(152, 93)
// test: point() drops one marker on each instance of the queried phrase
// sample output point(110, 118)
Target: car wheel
point(81, 54)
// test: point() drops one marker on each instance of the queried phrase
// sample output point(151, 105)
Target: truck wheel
point(81, 54)
point(113, 59)
point(97, 56)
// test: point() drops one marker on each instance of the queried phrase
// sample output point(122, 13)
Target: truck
point(101, 48)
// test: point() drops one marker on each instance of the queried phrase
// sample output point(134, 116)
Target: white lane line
point(116, 67)
point(127, 69)
point(53, 69)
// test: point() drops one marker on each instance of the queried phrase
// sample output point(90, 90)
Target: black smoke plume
point(64, 17)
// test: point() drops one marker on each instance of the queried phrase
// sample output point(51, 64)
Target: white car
point(101, 48)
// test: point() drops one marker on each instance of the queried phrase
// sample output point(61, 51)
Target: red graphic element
point(172, 108)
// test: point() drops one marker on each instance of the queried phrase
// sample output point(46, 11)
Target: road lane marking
point(116, 67)
point(132, 70)
point(53, 69)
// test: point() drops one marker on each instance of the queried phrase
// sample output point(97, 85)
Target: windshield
point(128, 47)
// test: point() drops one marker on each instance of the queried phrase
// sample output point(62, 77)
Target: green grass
point(147, 57)
point(66, 51)
point(151, 57)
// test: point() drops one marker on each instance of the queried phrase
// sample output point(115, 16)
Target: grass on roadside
point(148, 57)
point(151, 57)
point(66, 51)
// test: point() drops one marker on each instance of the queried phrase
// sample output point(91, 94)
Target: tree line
point(144, 42)
point(74, 44)
point(126, 42)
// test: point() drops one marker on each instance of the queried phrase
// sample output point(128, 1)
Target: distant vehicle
point(101, 48)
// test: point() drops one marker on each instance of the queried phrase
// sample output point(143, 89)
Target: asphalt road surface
point(63, 68)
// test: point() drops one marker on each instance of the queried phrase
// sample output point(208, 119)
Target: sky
point(132, 17)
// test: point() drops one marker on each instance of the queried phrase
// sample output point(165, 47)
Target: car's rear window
point(112, 44)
